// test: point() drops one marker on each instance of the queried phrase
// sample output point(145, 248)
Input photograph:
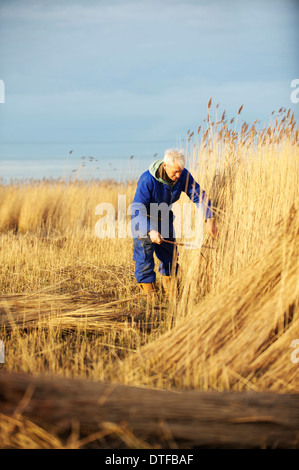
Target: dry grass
point(70, 305)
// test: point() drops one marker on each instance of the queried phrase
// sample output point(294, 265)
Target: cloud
point(94, 67)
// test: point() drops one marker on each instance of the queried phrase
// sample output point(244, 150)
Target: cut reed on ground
point(70, 306)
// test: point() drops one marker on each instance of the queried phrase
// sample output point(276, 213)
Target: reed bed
point(70, 305)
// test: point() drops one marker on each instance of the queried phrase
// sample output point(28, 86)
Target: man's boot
point(149, 290)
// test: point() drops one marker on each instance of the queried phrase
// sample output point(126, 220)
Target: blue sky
point(116, 78)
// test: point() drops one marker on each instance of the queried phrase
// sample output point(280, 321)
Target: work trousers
point(143, 255)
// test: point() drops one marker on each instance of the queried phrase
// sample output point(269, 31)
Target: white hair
point(174, 156)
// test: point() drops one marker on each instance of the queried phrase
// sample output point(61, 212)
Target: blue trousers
point(143, 255)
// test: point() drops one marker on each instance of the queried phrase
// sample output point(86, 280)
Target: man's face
point(173, 172)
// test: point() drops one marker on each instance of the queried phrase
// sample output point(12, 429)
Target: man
point(159, 187)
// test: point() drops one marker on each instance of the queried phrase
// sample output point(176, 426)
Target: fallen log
point(128, 417)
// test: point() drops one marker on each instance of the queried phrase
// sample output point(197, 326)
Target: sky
point(113, 79)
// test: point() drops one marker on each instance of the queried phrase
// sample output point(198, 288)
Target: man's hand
point(211, 227)
point(155, 237)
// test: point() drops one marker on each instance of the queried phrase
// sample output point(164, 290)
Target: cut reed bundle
point(53, 412)
point(42, 310)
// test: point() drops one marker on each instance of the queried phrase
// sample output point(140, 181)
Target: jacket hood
point(153, 170)
point(154, 167)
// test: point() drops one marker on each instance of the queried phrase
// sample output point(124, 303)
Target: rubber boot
point(149, 290)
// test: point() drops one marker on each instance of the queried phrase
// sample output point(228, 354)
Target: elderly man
point(162, 183)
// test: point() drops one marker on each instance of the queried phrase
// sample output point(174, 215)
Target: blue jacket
point(152, 190)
